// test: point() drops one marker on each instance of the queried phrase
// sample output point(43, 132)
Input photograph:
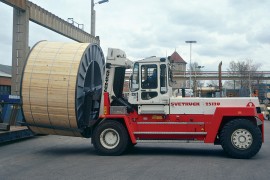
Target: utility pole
point(93, 15)
point(190, 43)
point(219, 79)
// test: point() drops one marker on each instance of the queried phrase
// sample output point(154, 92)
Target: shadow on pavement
point(172, 151)
point(135, 151)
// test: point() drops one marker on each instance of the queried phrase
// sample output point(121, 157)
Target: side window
point(148, 95)
point(163, 79)
point(134, 84)
point(149, 76)
point(170, 76)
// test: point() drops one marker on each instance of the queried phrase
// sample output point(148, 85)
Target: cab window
point(149, 76)
point(134, 84)
point(163, 79)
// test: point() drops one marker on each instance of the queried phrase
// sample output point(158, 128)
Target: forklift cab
point(149, 85)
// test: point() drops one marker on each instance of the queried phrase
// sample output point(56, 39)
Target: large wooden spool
point(61, 87)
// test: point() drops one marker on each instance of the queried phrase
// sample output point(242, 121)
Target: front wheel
point(241, 139)
point(110, 138)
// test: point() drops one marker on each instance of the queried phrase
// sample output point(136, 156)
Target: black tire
point(241, 139)
point(110, 138)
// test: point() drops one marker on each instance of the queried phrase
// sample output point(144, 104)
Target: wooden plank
point(60, 120)
point(71, 111)
point(57, 110)
point(71, 103)
point(26, 108)
point(41, 118)
point(60, 112)
point(38, 85)
point(40, 130)
point(28, 116)
point(38, 96)
point(34, 129)
point(55, 101)
point(58, 84)
point(28, 76)
point(38, 100)
point(39, 109)
point(73, 122)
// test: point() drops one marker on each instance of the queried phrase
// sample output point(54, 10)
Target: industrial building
point(5, 79)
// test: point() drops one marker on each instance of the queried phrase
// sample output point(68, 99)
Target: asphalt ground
point(59, 157)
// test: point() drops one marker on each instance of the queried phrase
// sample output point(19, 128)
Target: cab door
point(154, 85)
point(153, 97)
point(149, 83)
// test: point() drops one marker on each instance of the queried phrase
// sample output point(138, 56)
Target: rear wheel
point(241, 139)
point(110, 138)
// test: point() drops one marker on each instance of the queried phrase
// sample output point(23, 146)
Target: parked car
point(268, 112)
point(265, 111)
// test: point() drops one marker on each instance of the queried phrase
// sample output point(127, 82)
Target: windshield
point(134, 84)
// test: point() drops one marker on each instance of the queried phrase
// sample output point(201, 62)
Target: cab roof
point(153, 59)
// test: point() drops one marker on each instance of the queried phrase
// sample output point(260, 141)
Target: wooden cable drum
point(61, 87)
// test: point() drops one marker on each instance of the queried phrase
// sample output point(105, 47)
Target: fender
point(212, 127)
point(126, 121)
point(106, 116)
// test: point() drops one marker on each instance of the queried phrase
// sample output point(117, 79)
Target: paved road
point(58, 157)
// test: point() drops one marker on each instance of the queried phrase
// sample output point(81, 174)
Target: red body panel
point(178, 127)
point(213, 125)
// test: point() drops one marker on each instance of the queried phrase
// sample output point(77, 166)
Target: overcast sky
point(225, 30)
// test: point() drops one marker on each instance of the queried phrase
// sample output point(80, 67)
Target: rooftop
point(5, 69)
point(2, 74)
point(176, 58)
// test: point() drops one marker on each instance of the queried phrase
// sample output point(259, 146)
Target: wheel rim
point(241, 139)
point(109, 138)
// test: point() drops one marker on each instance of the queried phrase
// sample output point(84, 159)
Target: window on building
point(5, 89)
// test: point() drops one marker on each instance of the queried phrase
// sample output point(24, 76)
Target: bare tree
point(213, 83)
point(246, 70)
point(195, 70)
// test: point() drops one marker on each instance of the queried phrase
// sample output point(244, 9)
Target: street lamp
point(195, 85)
point(190, 42)
point(93, 15)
